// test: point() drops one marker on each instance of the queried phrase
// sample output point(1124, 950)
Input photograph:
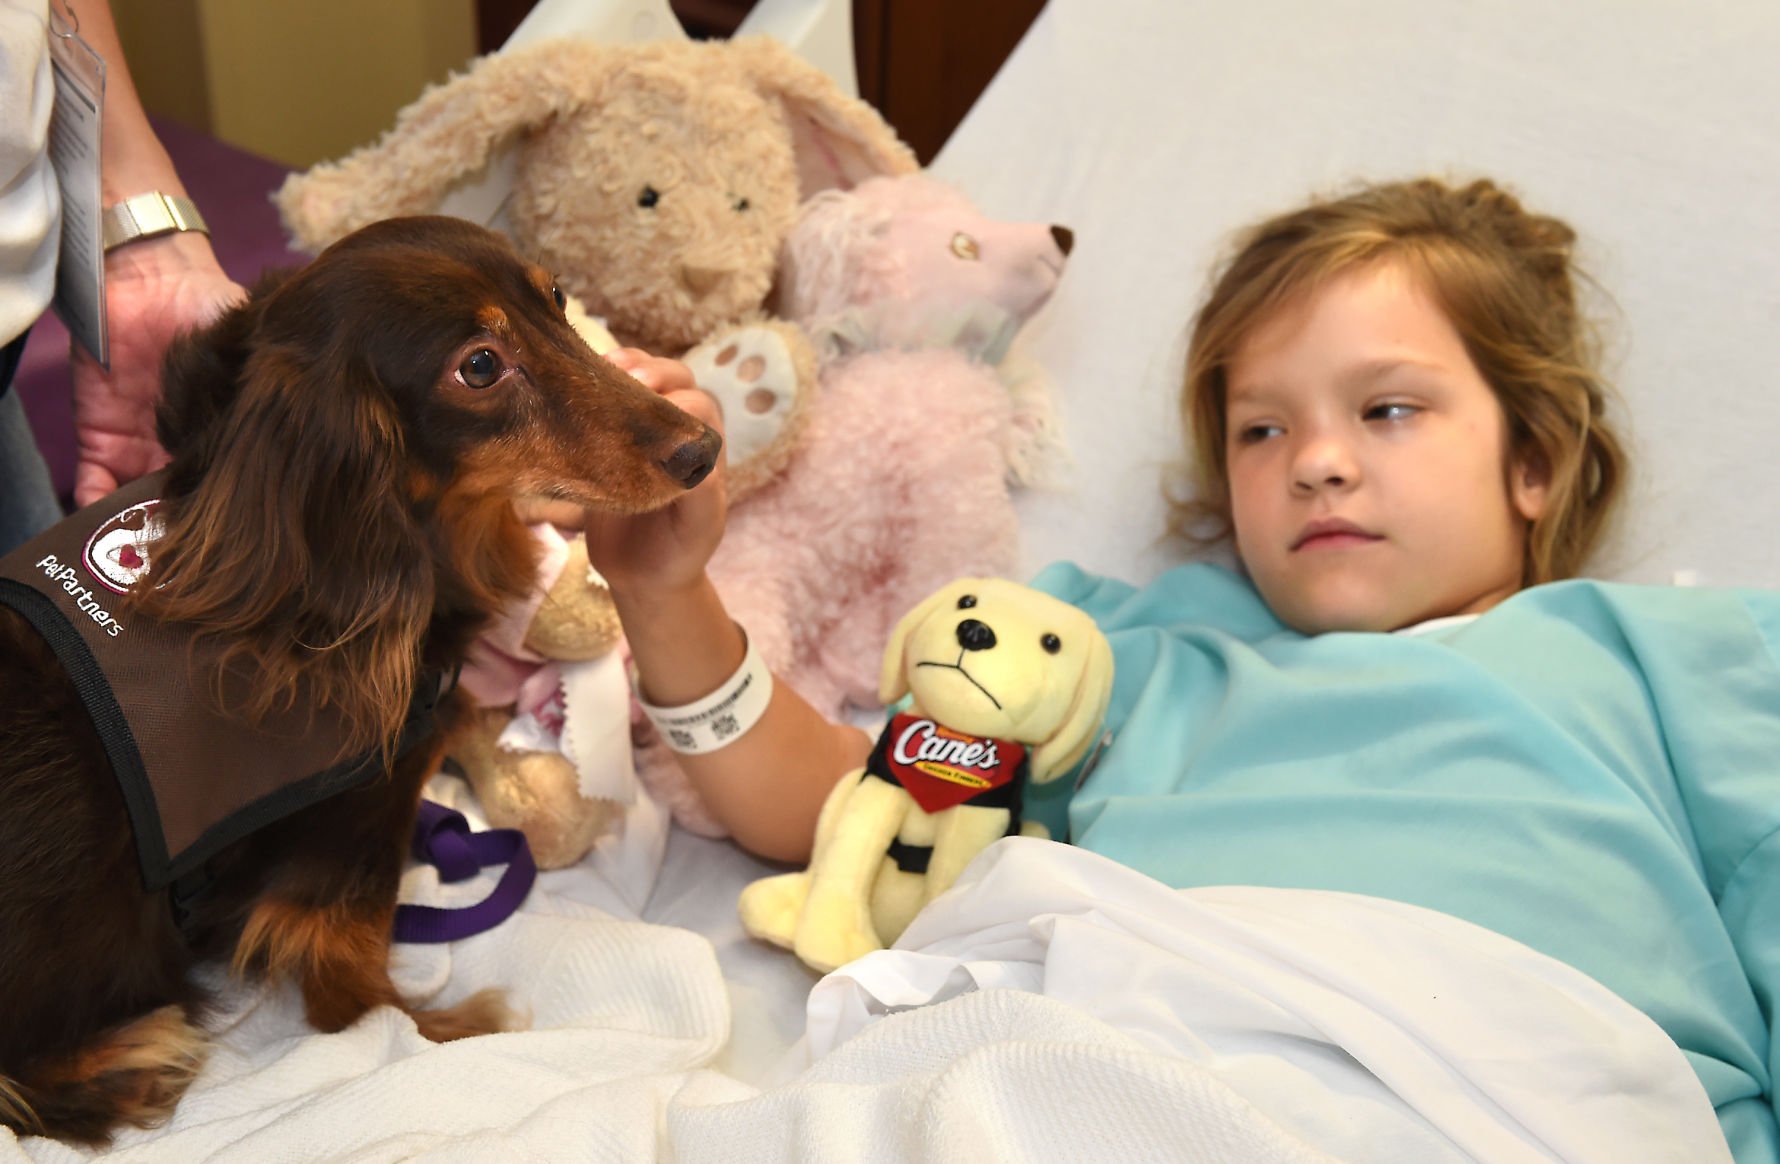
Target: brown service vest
point(194, 779)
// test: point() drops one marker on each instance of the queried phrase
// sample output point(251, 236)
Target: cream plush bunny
point(1006, 684)
point(655, 181)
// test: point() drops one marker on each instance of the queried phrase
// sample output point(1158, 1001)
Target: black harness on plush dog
point(195, 779)
point(941, 768)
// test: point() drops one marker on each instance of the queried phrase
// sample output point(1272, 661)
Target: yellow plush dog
point(1007, 684)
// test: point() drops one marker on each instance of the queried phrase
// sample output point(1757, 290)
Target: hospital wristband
point(723, 716)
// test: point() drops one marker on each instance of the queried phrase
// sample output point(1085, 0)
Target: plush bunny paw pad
point(753, 376)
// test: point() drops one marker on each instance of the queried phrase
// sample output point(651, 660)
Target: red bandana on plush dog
point(941, 767)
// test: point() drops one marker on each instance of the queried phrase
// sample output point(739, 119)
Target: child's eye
point(1391, 410)
point(1250, 434)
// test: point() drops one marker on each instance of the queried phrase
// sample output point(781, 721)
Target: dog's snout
point(1065, 238)
point(693, 461)
point(974, 635)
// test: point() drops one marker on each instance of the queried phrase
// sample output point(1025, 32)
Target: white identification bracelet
point(723, 716)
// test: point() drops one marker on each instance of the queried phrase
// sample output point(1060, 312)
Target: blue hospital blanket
point(1591, 769)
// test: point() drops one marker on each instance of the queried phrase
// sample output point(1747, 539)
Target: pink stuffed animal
point(900, 481)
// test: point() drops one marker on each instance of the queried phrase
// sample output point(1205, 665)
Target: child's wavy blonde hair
point(1504, 278)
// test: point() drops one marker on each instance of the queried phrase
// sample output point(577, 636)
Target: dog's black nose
point(975, 636)
point(1065, 239)
point(693, 461)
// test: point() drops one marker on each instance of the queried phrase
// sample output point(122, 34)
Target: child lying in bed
point(1396, 421)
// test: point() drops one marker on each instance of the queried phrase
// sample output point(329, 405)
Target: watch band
point(147, 215)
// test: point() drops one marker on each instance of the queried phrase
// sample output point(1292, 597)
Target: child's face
point(1369, 480)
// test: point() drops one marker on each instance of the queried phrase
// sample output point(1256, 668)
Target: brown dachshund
point(354, 451)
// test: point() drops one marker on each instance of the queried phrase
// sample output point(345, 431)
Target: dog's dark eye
point(1051, 643)
point(741, 204)
point(481, 369)
point(562, 301)
point(649, 197)
point(968, 601)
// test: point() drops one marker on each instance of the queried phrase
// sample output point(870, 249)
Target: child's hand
point(666, 549)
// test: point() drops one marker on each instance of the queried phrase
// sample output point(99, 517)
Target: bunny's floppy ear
point(449, 134)
point(839, 140)
point(893, 681)
point(1081, 724)
point(828, 261)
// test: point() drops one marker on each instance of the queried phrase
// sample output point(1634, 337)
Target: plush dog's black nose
point(1065, 238)
point(975, 636)
point(693, 461)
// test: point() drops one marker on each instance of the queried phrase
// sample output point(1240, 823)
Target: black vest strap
point(186, 889)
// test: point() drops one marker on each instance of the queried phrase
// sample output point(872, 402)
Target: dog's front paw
point(763, 376)
point(483, 1013)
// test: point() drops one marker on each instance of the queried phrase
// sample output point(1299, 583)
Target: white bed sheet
point(1055, 1006)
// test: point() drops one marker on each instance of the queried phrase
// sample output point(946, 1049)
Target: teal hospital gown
point(1588, 768)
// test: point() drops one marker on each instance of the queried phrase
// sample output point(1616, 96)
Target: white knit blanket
point(1054, 1006)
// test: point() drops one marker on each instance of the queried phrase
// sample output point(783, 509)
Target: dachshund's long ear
point(839, 140)
point(450, 133)
point(294, 548)
point(201, 374)
point(1081, 723)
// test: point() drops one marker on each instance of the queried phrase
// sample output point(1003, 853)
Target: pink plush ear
point(449, 133)
point(831, 261)
point(839, 140)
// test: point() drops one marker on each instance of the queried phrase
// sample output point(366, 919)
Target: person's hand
point(666, 549)
point(153, 289)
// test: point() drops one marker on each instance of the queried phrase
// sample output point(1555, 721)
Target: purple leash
point(442, 838)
